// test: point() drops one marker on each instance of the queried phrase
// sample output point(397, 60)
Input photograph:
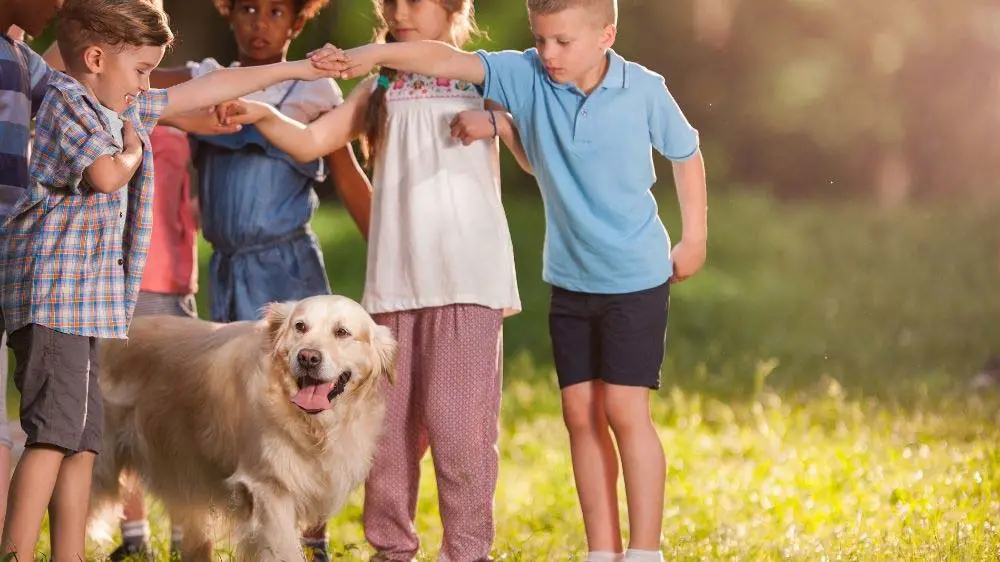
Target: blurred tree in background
point(893, 99)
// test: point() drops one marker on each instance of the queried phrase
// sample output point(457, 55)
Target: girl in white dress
point(440, 274)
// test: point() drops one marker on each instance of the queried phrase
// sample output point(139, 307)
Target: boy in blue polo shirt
point(589, 120)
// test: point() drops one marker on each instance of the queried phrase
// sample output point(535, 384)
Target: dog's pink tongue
point(313, 397)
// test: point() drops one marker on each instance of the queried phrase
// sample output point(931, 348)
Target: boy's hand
point(130, 139)
point(356, 62)
point(473, 125)
point(688, 257)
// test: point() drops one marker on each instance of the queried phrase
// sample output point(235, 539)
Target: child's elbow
point(98, 179)
point(103, 186)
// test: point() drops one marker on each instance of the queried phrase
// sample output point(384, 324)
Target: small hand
point(226, 111)
point(206, 122)
point(329, 61)
point(246, 112)
point(131, 142)
point(350, 64)
point(688, 257)
point(471, 126)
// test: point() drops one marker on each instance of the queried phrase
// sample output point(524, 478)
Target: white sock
point(315, 544)
point(644, 555)
point(135, 532)
point(603, 556)
point(176, 536)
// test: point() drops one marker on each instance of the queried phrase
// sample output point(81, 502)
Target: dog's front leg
point(271, 533)
point(196, 544)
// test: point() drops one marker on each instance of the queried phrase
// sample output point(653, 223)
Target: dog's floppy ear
point(384, 349)
point(275, 316)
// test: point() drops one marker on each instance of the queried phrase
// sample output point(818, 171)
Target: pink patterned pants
point(446, 397)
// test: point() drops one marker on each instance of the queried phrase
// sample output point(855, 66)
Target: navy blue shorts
point(618, 338)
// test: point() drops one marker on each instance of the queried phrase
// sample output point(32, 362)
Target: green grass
point(814, 403)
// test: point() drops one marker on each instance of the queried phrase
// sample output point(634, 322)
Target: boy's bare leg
point(69, 507)
point(133, 504)
point(643, 462)
point(595, 464)
point(30, 491)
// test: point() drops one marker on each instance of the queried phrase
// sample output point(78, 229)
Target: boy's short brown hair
point(606, 9)
point(305, 9)
point(118, 23)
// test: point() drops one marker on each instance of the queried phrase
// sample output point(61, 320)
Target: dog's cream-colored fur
point(202, 414)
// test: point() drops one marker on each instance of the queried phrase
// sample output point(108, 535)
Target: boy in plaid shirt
point(72, 249)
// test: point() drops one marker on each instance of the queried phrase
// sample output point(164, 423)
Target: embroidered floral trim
point(409, 86)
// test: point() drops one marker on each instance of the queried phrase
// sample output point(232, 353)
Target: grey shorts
point(56, 374)
point(161, 304)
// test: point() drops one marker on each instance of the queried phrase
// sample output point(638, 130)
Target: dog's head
point(331, 347)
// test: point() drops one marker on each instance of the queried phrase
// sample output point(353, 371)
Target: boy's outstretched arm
point(692, 195)
point(230, 83)
point(353, 187)
point(431, 58)
point(331, 132)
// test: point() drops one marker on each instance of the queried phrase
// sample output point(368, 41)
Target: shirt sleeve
point(39, 71)
point(669, 130)
point(510, 77)
point(69, 137)
point(150, 105)
point(204, 67)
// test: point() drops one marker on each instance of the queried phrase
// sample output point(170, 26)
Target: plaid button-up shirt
point(65, 261)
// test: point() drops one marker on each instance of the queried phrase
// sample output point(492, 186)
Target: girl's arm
point(430, 58)
point(472, 126)
point(323, 136)
point(352, 185)
point(509, 135)
point(230, 83)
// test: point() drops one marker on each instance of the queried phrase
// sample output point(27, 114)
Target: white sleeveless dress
point(439, 235)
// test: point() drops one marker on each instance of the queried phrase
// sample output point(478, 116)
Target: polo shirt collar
point(616, 76)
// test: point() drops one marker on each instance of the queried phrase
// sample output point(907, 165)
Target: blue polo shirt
point(592, 157)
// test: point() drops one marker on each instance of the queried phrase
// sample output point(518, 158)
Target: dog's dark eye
point(300, 327)
point(342, 333)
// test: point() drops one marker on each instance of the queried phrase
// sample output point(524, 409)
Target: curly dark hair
point(306, 9)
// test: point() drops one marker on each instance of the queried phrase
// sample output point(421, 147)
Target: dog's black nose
point(310, 358)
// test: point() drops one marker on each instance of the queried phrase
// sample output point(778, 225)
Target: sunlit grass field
point(814, 404)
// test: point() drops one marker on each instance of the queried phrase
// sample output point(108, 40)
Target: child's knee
point(628, 413)
point(583, 417)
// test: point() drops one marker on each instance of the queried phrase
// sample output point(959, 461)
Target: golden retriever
point(263, 426)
